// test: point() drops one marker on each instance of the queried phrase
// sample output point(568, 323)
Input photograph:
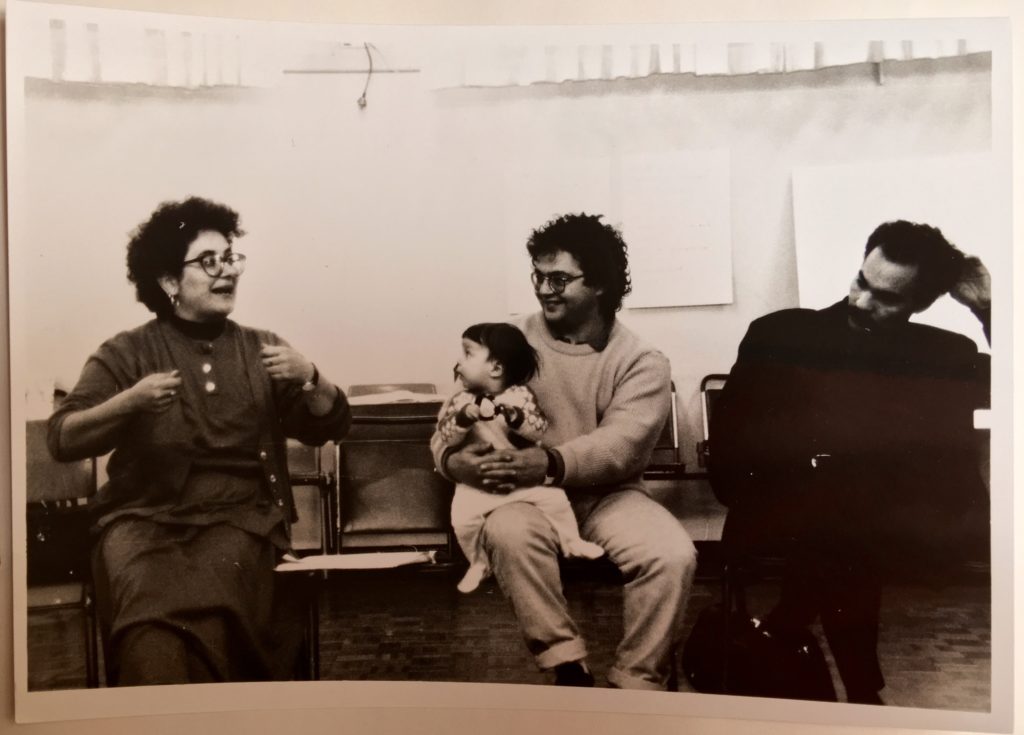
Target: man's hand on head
point(974, 289)
point(506, 470)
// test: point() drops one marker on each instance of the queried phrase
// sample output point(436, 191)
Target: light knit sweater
point(606, 409)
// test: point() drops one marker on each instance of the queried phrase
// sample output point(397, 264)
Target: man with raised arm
point(843, 439)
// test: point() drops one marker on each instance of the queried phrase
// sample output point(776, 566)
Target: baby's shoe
point(584, 549)
point(472, 578)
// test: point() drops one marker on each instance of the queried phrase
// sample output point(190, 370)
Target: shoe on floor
point(868, 697)
point(573, 674)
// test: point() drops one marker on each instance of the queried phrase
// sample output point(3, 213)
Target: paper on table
point(395, 396)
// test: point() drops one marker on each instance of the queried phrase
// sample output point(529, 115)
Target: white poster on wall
point(675, 219)
point(534, 193)
point(836, 208)
point(672, 208)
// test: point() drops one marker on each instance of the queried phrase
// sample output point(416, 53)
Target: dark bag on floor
point(732, 653)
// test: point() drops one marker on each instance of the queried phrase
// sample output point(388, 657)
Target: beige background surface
point(453, 720)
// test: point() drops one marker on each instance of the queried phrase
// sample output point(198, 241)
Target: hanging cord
point(369, 73)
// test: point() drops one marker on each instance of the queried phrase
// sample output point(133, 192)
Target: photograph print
point(657, 369)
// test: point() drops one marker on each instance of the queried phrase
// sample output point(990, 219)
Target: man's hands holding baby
point(478, 465)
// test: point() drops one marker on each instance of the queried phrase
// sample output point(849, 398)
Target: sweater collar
point(837, 313)
point(198, 330)
point(597, 344)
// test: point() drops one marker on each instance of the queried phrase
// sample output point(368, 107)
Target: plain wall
point(373, 233)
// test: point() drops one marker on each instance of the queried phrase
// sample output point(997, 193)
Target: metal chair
point(313, 474)
point(389, 496)
point(58, 544)
point(666, 460)
point(390, 508)
point(711, 387)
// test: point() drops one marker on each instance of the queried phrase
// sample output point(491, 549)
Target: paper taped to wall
point(673, 210)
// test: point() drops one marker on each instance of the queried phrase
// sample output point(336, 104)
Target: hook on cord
point(369, 72)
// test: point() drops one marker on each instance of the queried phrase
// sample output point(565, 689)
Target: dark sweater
point(853, 441)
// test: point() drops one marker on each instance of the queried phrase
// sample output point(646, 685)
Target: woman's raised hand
point(155, 392)
point(284, 363)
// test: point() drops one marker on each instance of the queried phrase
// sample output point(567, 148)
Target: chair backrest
point(666, 461)
point(57, 523)
point(366, 389)
point(310, 465)
point(48, 480)
point(389, 494)
point(711, 387)
point(312, 474)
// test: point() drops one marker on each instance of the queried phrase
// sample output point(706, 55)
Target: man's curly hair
point(597, 247)
point(939, 262)
point(158, 245)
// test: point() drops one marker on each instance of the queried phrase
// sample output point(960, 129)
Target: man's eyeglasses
point(556, 281)
point(214, 264)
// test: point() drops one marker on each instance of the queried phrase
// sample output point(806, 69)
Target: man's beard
point(860, 319)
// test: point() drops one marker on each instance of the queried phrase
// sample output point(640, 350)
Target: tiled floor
point(935, 644)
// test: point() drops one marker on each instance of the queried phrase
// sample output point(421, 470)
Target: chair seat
point(365, 560)
point(394, 540)
point(55, 596)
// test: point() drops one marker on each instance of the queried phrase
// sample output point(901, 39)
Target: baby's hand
point(467, 415)
point(487, 409)
point(513, 415)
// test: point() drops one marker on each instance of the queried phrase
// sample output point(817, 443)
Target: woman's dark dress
point(194, 517)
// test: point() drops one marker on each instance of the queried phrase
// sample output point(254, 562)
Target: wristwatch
point(552, 470)
point(310, 385)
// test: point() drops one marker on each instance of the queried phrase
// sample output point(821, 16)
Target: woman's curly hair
point(597, 247)
point(158, 245)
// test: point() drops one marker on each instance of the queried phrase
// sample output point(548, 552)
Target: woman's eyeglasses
point(213, 264)
point(556, 281)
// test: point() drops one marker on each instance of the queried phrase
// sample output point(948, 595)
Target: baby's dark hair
point(507, 345)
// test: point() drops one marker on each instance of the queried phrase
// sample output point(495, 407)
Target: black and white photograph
point(643, 368)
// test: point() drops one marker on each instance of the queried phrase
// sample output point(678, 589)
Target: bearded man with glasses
point(607, 395)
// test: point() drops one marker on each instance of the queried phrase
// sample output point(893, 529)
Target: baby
point(496, 407)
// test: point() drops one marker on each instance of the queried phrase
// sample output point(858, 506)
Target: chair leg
point(90, 631)
point(727, 592)
point(325, 523)
point(312, 637)
point(672, 685)
point(332, 520)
